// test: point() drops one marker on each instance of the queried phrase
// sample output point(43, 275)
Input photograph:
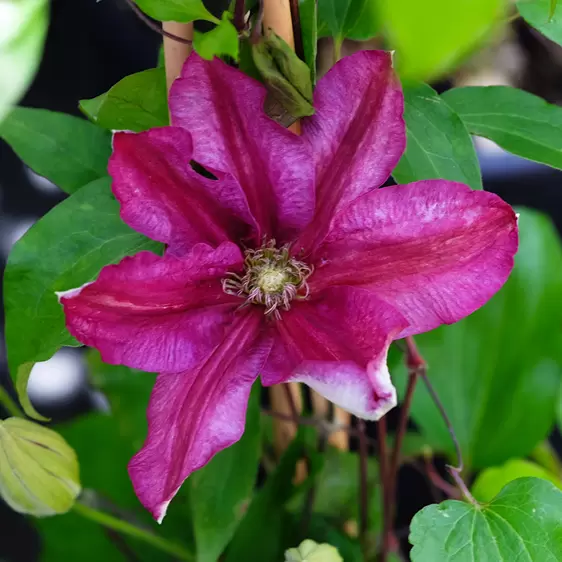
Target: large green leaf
point(438, 144)
point(221, 491)
point(222, 40)
point(353, 19)
point(516, 120)
point(491, 481)
point(497, 372)
point(522, 523)
point(431, 36)
point(66, 150)
point(176, 10)
point(544, 15)
point(136, 103)
point(63, 250)
point(23, 25)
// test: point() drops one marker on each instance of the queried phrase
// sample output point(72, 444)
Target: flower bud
point(309, 551)
point(38, 469)
point(286, 77)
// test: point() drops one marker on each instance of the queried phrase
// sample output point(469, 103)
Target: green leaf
point(438, 144)
point(221, 491)
point(176, 10)
point(544, 15)
point(63, 250)
point(497, 372)
point(136, 103)
point(222, 40)
point(354, 19)
point(265, 531)
point(520, 122)
point(491, 481)
point(66, 150)
point(23, 26)
point(308, 13)
point(431, 36)
point(522, 523)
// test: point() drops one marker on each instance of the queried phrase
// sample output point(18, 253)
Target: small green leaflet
point(222, 40)
point(438, 144)
point(136, 103)
point(521, 523)
point(519, 122)
point(66, 150)
point(176, 10)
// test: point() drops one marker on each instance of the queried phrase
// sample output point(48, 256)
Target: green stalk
point(9, 404)
point(126, 528)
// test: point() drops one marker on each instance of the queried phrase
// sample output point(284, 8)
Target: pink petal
point(156, 313)
point(357, 134)
point(162, 196)
point(195, 414)
point(222, 108)
point(337, 344)
point(435, 250)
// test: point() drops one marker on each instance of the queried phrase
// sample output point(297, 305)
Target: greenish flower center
point(271, 278)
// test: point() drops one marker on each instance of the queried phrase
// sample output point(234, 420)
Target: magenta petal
point(338, 345)
point(195, 414)
point(357, 134)
point(222, 108)
point(162, 196)
point(156, 313)
point(435, 250)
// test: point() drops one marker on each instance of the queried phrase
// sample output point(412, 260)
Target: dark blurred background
point(92, 45)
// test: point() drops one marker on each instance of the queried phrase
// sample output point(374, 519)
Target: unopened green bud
point(286, 77)
point(38, 469)
point(309, 551)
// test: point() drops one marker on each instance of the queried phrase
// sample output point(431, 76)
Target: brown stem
point(386, 500)
point(455, 471)
point(363, 485)
point(401, 430)
point(440, 483)
point(154, 26)
point(295, 17)
point(239, 15)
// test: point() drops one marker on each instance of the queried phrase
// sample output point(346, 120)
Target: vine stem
point(455, 471)
point(126, 528)
point(363, 486)
point(239, 14)
point(383, 472)
point(155, 27)
point(9, 404)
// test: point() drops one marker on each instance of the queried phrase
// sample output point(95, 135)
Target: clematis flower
point(286, 261)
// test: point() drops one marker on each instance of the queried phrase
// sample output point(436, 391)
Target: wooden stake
point(175, 53)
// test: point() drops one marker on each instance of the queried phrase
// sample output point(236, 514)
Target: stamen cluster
point(271, 278)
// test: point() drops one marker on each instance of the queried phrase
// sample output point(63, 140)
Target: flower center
point(271, 278)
